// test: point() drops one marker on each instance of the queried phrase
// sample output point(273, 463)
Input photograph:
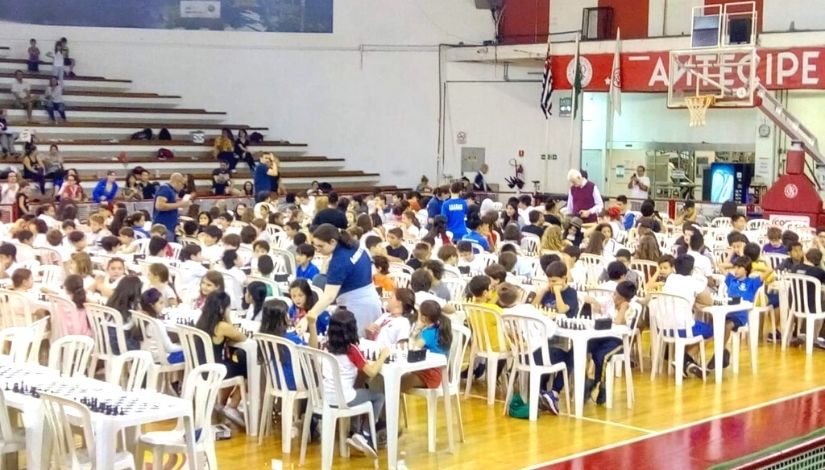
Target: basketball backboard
point(722, 61)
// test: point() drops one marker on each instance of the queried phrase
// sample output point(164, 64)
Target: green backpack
point(518, 409)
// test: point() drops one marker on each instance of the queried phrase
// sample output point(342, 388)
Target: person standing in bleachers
point(33, 62)
point(265, 177)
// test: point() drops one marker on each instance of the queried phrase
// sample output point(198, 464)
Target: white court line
point(676, 428)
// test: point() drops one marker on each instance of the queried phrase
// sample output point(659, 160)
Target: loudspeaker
point(489, 4)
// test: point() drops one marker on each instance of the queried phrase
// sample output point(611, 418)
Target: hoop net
point(698, 106)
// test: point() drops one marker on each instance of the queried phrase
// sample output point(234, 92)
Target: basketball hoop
point(698, 106)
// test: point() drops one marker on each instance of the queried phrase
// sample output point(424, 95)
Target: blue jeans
point(59, 107)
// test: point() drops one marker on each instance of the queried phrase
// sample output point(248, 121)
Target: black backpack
point(145, 134)
point(256, 137)
point(164, 134)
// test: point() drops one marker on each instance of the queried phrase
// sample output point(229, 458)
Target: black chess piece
point(16, 388)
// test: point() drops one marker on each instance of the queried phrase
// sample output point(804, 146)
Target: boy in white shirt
point(22, 94)
point(469, 263)
point(212, 251)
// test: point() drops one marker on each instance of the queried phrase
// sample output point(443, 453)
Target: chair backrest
point(185, 241)
point(284, 261)
point(15, 308)
point(50, 275)
point(524, 335)
point(277, 352)
point(315, 365)
point(594, 264)
point(804, 293)
point(280, 240)
point(142, 245)
point(176, 248)
point(775, 259)
point(70, 355)
point(201, 388)
point(63, 418)
point(197, 346)
point(400, 267)
point(276, 289)
point(150, 332)
point(133, 371)
point(101, 319)
point(720, 222)
point(65, 318)
point(17, 340)
point(530, 244)
point(670, 313)
point(400, 279)
point(234, 288)
point(647, 268)
point(458, 349)
point(757, 224)
point(49, 256)
point(456, 286)
point(480, 319)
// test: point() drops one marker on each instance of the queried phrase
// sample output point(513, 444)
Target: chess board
point(575, 323)
point(35, 380)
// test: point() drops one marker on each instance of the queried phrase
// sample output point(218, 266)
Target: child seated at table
point(557, 294)
point(468, 262)
point(394, 325)
point(73, 322)
point(381, 279)
point(343, 344)
point(421, 253)
point(681, 283)
point(663, 270)
point(602, 349)
point(576, 270)
point(253, 299)
point(214, 320)
point(448, 254)
point(775, 244)
point(303, 299)
point(305, 268)
point(151, 303)
point(158, 277)
point(741, 284)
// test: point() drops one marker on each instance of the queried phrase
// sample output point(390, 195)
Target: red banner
point(778, 69)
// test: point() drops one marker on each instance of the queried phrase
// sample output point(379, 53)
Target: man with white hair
point(480, 181)
point(583, 200)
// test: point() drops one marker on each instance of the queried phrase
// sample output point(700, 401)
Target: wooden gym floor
point(494, 441)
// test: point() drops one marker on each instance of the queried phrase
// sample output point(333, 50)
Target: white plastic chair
point(775, 259)
point(284, 261)
point(276, 289)
point(594, 264)
point(101, 319)
point(134, 371)
point(400, 279)
point(524, 335)
point(15, 308)
point(50, 275)
point(201, 389)
point(234, 289)
point(458, 348)
point(668, 314)
point(70, 355)
point(613, 367)
point(647, 268)
point(721, 222)
point(151, 330)
point(64, 417)
point(456, 287)
point(802, 290)
point(198, 350)
point(480, 319)
point(276, 351)
point(49, 256)
point(530, 244)
point(314, 364)
point(401, 267)
point(757, 224)
point(12, 439)
point(142, 245)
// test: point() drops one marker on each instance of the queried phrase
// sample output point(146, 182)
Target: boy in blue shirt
point(557, 295)
point(303, 258)
point(739, 284)
point(455, 210)
point(473, 224)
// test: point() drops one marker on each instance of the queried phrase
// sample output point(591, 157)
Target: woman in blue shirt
point(106, 188)
point(349, 277)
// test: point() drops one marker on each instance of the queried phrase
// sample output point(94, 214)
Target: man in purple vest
point(583, 200)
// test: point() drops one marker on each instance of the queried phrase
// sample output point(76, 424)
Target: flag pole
point(547, 135)
point(575, 107)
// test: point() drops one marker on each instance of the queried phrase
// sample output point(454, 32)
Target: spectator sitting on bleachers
point(146, 185)
point(106, 189)
point(54, 100)
point(22, 93)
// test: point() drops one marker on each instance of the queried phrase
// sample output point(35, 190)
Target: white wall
point(777, 15)
point(566, 15)
point(368, 92)
point(504, 117)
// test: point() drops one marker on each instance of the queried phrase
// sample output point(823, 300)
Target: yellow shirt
point(492, 325)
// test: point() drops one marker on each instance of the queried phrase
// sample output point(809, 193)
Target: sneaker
point(774, 337)
point(725, 361)
point(601, 398)
point(682, 368)
point(360, 443)
point(588, 388)
point(819, 343)
point(694, 369)
point(234, 415)
point(550, 401)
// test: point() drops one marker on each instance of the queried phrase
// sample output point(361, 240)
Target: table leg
point(392, 390)
point(579, 369)
point(36, 440)
point(718, 343)
point(754, 318)
point(628, 372)
point(448, 405)
point(254, 393)
point(105, 441)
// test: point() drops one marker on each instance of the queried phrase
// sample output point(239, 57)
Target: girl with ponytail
point(74, 320)
point(393, 327)
point(435, 334)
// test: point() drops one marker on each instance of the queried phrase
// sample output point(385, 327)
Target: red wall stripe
point(525, 22)
point(630, 15)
